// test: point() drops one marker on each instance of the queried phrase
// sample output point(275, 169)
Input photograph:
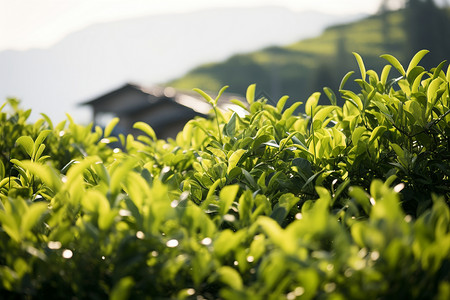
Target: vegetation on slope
point(304, 67)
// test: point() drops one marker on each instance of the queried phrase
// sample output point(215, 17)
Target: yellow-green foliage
point(343, 202)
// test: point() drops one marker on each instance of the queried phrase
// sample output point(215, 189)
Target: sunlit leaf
point(393, 61)
point(377, 132)
point(222, 90)
point(289, 111)
point(438, 69)
point(331, 95)
point(281, 103)
point(10, 225)
point(234, 159)
point(385, 74)
point(311, 104)
point(250, 95)
point(41, 137)
point(46, 173)
point(230, 277)
point(110, 127)
point(415, 60)
point(204, 95)
point(227, 197)
point(361, 66)
point(324, 112)
point(147, 129)
point(344, 79)
point(32, 215)
point(27, 144)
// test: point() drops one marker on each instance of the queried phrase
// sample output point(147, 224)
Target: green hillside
point(304, 67)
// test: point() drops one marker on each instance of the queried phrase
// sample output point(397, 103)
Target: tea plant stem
point(218, 125)
point(313, 139)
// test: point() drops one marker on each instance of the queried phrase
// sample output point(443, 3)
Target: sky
point(26, 24)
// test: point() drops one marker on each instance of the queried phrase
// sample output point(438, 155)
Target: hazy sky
point(26, 24)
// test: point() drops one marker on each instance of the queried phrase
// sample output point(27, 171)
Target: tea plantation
point(343, 202)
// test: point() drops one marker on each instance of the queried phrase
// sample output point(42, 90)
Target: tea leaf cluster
point(342, 202)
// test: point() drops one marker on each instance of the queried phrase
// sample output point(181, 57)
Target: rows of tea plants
point(346, 202)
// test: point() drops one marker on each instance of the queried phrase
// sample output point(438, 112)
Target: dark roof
point(159, 94)
point(108, 95)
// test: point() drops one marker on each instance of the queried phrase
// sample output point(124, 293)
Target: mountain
point(147, 50)
point(304, 67)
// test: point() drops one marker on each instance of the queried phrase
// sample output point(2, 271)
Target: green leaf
point(438, 70)
point(448, 73)
point(356, 135)
point(331, 95)
point(311, 104)
point(227, 241)
point(109, 128)
point(222, 90)
point(227, 197)
point(249, 178)
point(432, 89)
point(385, 74)
point(46, 173)
point(230, 127)
point(245, 206)
point(48, 120)
point(230, 277)
point(398, 150)
point(361, 66)
point(415, 60)
point(41, 137)
point(147, 129)
point(323, 113)
point(281, 103)
point(354, 99)
point(122, 289)
point(9, 225)
point(2, 183)
point(275, 233)
point(39, 152)
point(416, 71)
point(27, 144)
point(240, 104)
point(393, 61)
point(416, 83)
point(340, 189)
point(234, 159)
point(213, 187)
point(250, 95)
point(204, 95)
point(31, 217)
point(344, 79)
point(2, 170)
point(76, 169)
point(303, 166)
point(288, 112)
point(282, 208)
point(376, 133)
point(3, 105)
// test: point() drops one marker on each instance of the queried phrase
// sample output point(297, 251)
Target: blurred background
point(57, 54)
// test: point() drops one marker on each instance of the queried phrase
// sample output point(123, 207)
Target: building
point(165, 109)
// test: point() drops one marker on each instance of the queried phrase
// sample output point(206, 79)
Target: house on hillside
point(165, 109)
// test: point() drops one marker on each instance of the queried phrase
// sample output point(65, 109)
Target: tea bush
point(344, 202)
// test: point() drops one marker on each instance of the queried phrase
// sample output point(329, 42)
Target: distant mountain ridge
point(146, 50)
point(308, 65)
